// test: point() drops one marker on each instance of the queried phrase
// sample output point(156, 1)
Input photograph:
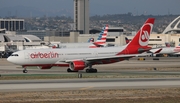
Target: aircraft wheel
point(91, 70)
point(25, 71)
point(95, 71)
point(69, 70)
point(87, 70)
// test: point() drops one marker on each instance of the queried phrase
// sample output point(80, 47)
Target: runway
point(166, 67)
point(127, 74)
point(87, 84)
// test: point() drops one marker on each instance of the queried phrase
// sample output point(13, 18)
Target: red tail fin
point(140, 42)
point(142, 37)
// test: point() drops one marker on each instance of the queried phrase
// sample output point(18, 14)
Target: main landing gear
point(91, 70)
point(25, 70)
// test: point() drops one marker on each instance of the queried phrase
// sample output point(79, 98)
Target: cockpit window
point(14, 55)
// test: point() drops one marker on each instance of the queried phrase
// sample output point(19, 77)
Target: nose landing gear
point(25, 70)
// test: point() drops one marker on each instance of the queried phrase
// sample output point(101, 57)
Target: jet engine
point(77, 65)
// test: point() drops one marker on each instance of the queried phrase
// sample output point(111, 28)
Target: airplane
point(169, 50)
point(166, 51)
point(177, 54)
point(77, 59)
point(100, 42)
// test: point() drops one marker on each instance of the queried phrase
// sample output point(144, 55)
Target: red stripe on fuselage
point(58, 65)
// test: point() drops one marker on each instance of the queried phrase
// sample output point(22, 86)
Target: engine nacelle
point(77, 65)
point(44, 67)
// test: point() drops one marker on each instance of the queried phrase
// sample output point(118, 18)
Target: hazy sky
point(101, 7)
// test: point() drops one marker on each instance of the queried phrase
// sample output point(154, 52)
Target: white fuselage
point(74, 45)
point(167, 50)
point(58, 56)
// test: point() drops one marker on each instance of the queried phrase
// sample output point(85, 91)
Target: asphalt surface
point(84, 84)
point(133, 66)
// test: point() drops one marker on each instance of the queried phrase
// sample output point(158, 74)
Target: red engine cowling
point(77, 65)
point(44, 67)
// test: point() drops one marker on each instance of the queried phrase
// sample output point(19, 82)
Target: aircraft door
point(95, 54)
point(26, 55)
point(63, 56)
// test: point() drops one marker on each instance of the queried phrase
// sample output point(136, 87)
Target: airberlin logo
point(145, 34)
point(44, 55)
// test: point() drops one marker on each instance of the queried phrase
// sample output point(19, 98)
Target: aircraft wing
point(158, 51)
point(155, 51)
point(94, 59)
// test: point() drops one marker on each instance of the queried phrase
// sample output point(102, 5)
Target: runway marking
point(85, 88)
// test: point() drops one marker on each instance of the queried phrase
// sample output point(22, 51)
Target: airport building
point(81, 15)
point(10, 42)
point(116, 36)
point(39, 33)
point(75, 36)
point(12, 24)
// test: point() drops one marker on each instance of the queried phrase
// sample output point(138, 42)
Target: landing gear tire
point(95, 70)
point(25, 71)
point(69, 70)
point(91, 70)
point(87, 70)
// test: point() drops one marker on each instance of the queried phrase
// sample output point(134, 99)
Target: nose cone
point(12, 60)
point(9, 59)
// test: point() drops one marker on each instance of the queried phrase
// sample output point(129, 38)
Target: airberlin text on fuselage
point(44, 55)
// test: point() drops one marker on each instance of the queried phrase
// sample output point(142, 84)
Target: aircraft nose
point(9, 59)
point(13, 59)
